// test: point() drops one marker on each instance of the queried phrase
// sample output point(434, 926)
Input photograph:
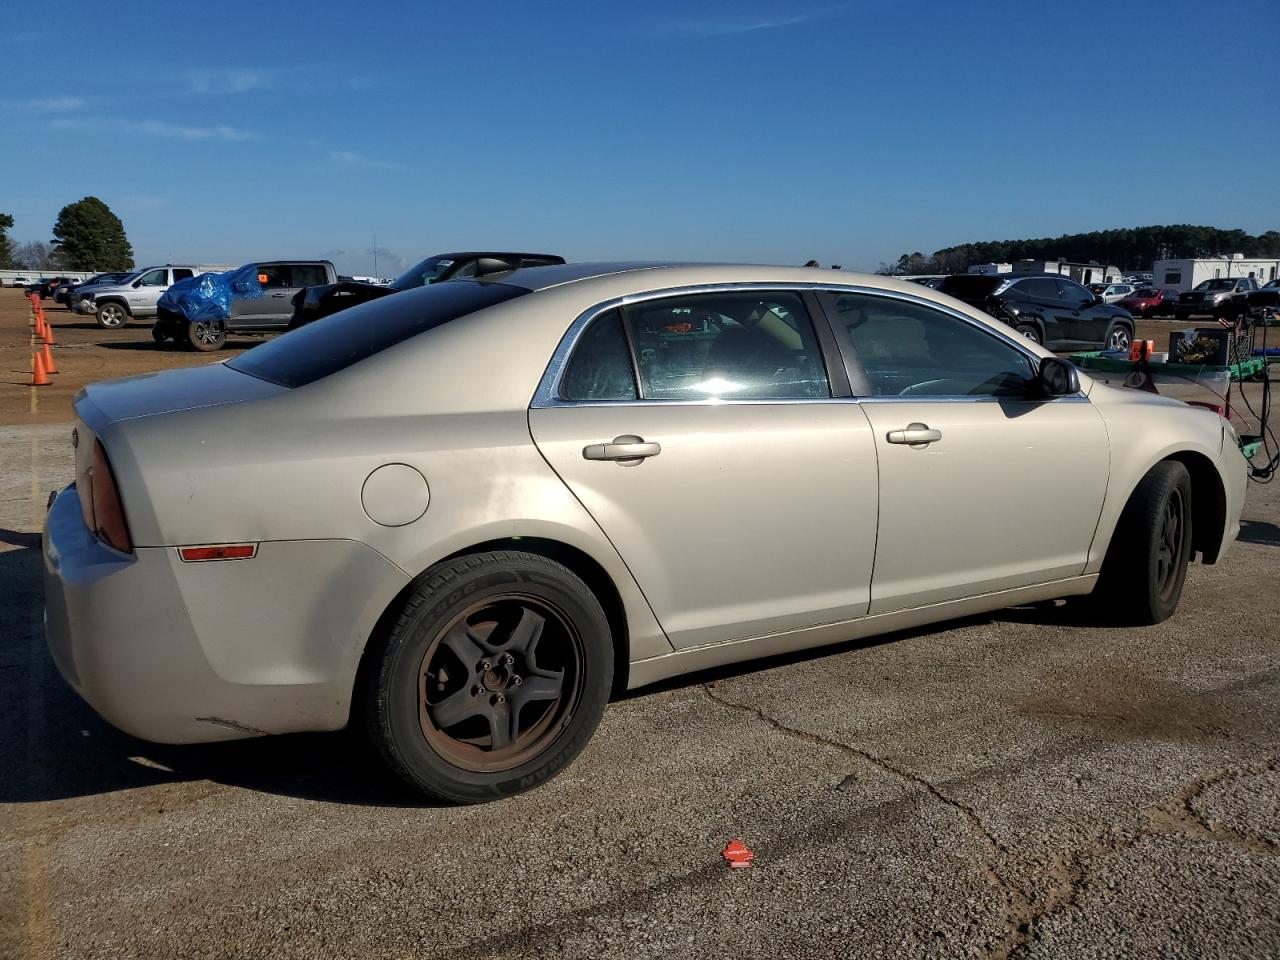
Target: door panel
point(1009, 496)
point(753, 517)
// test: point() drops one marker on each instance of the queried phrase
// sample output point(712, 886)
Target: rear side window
point(326, 346)
point(1042, 288)
point(309, 275)
point(729, 346)
point(275, 276)
point(600, 368)
point(181, 273)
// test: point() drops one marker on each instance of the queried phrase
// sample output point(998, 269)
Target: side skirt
point(653, 669)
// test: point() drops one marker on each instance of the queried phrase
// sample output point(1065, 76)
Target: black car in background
point(62, 292)
point(321, 301)
point(45, 286)
point(1052, 310)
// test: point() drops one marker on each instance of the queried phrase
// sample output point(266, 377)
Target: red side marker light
point(737, 854)
point(226, 551)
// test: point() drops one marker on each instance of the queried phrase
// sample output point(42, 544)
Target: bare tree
point(34, 255)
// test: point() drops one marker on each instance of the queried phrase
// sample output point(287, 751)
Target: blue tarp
point(208, 296)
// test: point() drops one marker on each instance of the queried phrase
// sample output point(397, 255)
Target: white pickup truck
point(134, 296)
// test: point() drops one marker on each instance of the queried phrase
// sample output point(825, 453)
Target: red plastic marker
point(737, 854)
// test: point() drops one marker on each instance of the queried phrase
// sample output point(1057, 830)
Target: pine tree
point(90, 237)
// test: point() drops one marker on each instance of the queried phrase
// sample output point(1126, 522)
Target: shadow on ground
point(1260, 532)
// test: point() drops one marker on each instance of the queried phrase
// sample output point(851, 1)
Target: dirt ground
point(84, 353)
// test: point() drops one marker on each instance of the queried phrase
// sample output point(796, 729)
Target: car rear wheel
point(206, 335)
point(1119, 338)
point(492, 679)
point(111, 315)
point(1146, 564)
point(1030, 331)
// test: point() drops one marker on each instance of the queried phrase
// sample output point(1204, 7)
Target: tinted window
point(182, 273)
point(338, 341)
point(309, 274)
point(600, 368)
point(421, 274)
point(1072, 292)
point(905, 349)
point(1041, 288)
point(969, 285)
point(1172, 277)
point(275, 276)
point(155, 278)
point(727, 345)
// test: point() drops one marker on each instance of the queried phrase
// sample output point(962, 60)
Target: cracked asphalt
point(1027, 784)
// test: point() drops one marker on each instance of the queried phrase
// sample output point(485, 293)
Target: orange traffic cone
point(48, 334)
point(47, 356)
point(39, 327)
point(39, 375)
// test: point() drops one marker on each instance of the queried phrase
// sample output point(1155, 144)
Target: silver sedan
point(462, 516)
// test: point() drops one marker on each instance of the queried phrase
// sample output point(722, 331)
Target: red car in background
point(1149, 302)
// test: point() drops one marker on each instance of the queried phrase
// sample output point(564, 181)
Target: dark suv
point(321, 301)
point(1053, 311)
point(1212, 297)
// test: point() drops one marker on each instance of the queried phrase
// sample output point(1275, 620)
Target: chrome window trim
point(548, 393)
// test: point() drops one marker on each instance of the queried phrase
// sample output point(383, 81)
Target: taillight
point(100, 503)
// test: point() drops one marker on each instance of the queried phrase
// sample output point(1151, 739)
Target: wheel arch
point(581, 563)
point(116, 299)
point(1208, 504)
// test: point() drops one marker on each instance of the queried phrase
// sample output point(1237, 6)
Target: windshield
point(1145, 292)
point(970, 285)
point(1219, 284)
point(419, 275)
point(326, 346)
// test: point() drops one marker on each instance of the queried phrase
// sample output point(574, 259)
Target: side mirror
point(1057, 378)
point(137, 284)
point(1097, 299)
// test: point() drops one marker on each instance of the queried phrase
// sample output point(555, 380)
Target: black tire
point(1143, 573)
point(1030, 331)
point(409, 705)
point(1119, 337)
point(158, 334)
point(112, 315)
point(205, 335)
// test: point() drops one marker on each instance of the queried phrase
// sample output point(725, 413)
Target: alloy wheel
point(499, 682)
point(1169, 546)
point(206, 333)
point(1120, 339)
point(111, 315)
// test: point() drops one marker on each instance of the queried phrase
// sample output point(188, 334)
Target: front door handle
point(626, 450)
point(916, 434)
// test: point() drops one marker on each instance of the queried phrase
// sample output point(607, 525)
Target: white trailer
point(1183, 275)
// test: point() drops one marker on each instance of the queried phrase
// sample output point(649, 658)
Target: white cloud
point(743, 24)
point(348, 158)
point(230, 80)
point(154, 128)
point(46, 105)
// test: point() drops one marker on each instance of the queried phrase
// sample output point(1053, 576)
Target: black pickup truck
point(325, 299)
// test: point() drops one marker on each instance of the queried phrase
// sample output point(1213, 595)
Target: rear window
point(970, 285)
point(336, 342)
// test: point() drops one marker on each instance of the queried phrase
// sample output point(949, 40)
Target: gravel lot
point(1023, 784)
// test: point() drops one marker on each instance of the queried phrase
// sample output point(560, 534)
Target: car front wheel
point(492, 679)
point(1119, 338)
point(206, 335)
point(1146, 564)
point(111, 315)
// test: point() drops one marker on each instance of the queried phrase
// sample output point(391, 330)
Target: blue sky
point(849, 132)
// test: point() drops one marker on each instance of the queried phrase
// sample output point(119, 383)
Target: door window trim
point(548, 393)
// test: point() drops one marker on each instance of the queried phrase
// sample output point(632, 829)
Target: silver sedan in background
point(463, 515)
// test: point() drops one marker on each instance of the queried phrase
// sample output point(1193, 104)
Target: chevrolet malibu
point(460, 517)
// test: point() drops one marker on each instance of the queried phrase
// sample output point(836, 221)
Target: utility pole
point(375, 256)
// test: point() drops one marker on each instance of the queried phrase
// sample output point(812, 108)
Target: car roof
point(472, 254)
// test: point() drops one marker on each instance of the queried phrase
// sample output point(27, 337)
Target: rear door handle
point(280, 295)
point(626, 450)
point(920, 434)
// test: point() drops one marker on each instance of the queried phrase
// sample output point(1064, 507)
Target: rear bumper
point(1234, 470)
point(189, 652)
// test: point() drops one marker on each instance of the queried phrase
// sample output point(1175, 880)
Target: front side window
point(1071, 292)
point(904, 349)
point(156, 278)
point(729, 346)
point(600, 368)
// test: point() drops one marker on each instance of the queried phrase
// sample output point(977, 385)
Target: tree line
point(1132, 248)
point(86, 236)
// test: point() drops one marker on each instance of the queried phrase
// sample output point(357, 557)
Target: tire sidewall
point(1178, 479)
point(1111, 331)
point(112, 307)
point(199, 344)
point(398, 679)
point(1037, 339)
